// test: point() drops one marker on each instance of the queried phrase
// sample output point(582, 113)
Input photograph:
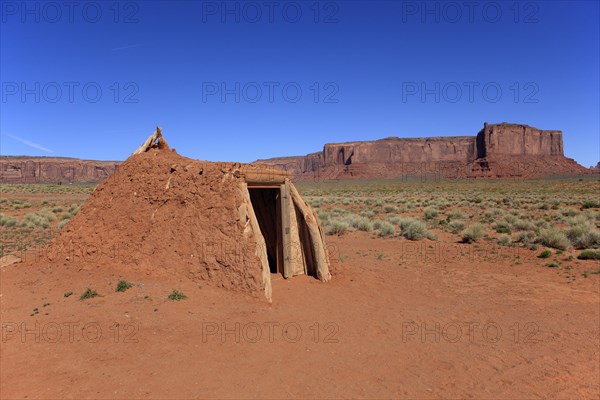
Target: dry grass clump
point(473, 233)
point(554, 238)
point(414, 229)
point(8, 221)
point(456, 226)
point(583, 234)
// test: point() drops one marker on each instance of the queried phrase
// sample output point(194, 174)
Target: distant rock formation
point(23, 169)
point(596, 169)
point(498, 150)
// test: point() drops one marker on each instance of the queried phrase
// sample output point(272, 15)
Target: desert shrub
point(368, 214)
point(74, 209)
point(473, 233)
point(545, 254)
point(315, 203)
point(431, 213)
point(386, 229)
point(88, 294)
point(35, 219)
point(176, 295)
point(505, 240)
point(568, 212)
point(511, 219)
point(583, 235)
point(377, 224)
point(336, 212)
point(522, 225)
point(7, 220)
point(590, 204)
point(62, 223)
point(123, 285)
point(57, 210)
point(455, 214)
point(393, 218)
point(389, 208)
point(456, 226)
point(414, 229)
point(323, 217)
point(541, 224)
point(589, 255)
point(502, 227)
point(554, 264)
point(65, 216)
point(360, 223)
point(336, 227)
point(554, 238)
point(588, 240)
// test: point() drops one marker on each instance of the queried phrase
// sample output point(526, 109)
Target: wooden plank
point(150, 141)
point(316, 236)
point(298, 260)
point(285, 229)
point(261, 186)
point(261, 246)
point(261, 178)
point(279, 234)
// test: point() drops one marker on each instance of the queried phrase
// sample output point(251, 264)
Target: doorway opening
point(266, 205)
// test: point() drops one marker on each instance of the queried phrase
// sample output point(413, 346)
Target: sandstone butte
point(497, 151)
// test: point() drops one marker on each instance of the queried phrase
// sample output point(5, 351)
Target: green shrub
point(502, 227)
point(176, 295)
point(590, 204)
point(589, 255)
point(67, 294)
point(545, 254)
point(554, 238)
point(554, 264)
point(88, 294)
point(473, 233)
point(123, 285)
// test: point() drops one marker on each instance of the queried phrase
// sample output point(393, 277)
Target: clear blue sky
point(361, 68)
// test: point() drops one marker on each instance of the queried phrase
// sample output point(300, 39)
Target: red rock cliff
point(512, 139)
point(17, 169)
point(498, 150)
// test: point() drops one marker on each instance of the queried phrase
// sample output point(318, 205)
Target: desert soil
point(394, 322)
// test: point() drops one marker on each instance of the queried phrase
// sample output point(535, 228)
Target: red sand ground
point(369, 320)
